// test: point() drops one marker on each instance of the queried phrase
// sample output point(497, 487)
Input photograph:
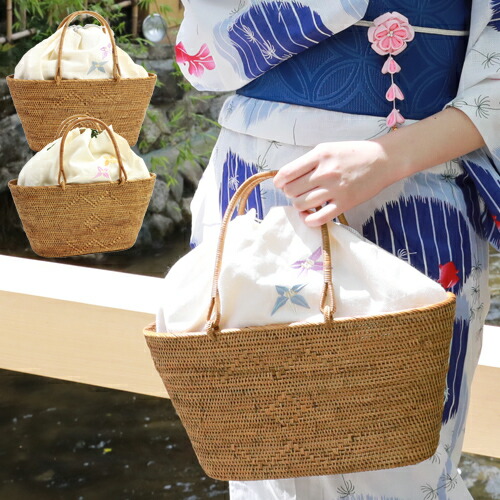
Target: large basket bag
point(307, 399)
point(43, 104)
point(77, 219)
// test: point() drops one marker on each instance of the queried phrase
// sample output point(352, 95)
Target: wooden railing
point(85, 325)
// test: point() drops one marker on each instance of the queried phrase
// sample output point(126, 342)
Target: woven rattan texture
point(43, 104)
point(82, 218)
point(311, 399)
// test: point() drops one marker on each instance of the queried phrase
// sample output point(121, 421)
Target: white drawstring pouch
point(86, 55)
point(88, 157)
point(272, 272)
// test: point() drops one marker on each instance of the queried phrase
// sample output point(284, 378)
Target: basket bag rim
point(73, 185)
point(150, 330)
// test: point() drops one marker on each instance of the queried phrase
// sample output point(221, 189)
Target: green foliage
point(181, 81)
point(169, 172)
point(164, 10)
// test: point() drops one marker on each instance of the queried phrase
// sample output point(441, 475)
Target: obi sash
point(343, 73)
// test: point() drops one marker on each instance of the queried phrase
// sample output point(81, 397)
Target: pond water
point(62, 440)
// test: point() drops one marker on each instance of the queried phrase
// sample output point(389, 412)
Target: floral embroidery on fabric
point(389, 35)
point(102, 171)
point(313, 262)
point(197, 63)
point(96, 65)
point(109, 159)
point(106, 51)
point(292, 294)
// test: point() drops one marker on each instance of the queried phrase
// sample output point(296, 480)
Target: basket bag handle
point(327, 305)
point(244, 198)
point(65, 24)
point(70, 124)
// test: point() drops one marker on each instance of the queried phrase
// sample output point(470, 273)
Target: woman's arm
point(345, 174)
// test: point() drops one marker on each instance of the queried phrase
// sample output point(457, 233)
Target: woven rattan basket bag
point(43, 104)
point(307, 399)
point(77, 219)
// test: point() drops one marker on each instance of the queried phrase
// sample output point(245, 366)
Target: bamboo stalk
point(9, 20)
point(18, 36)
point(135, 18)
point(125, 3)
point(23, 19)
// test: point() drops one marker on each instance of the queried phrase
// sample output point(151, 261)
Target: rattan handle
point(327, 305)
point(64, 25)
point(71, 123)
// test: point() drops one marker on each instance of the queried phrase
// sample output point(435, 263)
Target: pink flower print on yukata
point(197, 63)
point(390, 33)
point(313, 262)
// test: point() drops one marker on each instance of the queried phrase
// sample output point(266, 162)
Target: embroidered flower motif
point(448, 275)
point(99, 66)
point(313, 262)
point(109, 159)
point(198, 62)
point(390, 33)
point(102, 171)
point(292, 294)
point(106, 51)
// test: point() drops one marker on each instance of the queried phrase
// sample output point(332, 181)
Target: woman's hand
point(340, 174)
point(345, 174)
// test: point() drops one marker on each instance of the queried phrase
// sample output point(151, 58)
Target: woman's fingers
point(300, 187)
point(312, 199)
point(322, 216)
point(296, 169)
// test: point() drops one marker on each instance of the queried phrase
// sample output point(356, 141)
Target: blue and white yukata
point(305, 73)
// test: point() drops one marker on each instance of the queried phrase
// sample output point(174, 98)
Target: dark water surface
point(62, 440)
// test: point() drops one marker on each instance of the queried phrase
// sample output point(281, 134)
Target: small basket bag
point(43, 104)
point(308, 399)
point(76, 219)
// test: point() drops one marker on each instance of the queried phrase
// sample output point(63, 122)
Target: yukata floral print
point(284, 59)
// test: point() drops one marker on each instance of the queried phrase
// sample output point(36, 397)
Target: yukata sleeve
point(479, 98)
point(224, 44)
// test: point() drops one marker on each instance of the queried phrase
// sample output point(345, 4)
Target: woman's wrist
point(440, 138)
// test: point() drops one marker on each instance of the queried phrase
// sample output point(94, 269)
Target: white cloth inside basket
point(86, 55)
point(272, 272)
point(86, 159)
